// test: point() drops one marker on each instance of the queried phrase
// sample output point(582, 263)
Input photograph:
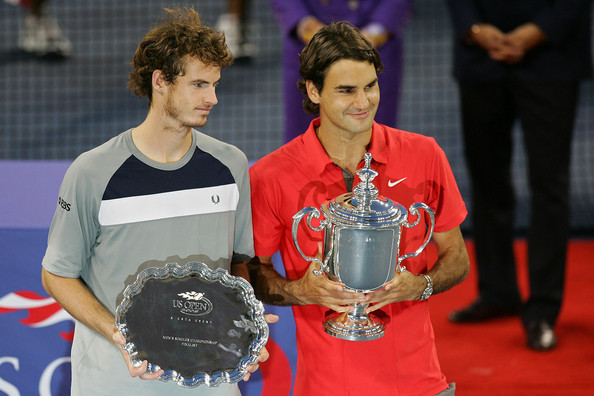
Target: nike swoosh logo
point(392, 184)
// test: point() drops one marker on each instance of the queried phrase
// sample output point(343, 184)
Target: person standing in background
point(40, 33)
point(235, 23)
point(520, 60)
point(382, 22)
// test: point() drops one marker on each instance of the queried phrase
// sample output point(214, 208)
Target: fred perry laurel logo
point(215, 199)
point(193, 304)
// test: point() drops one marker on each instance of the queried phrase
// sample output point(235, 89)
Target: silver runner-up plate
point(201, 326)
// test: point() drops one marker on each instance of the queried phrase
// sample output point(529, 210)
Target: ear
point(158, 81)
point(312, 92)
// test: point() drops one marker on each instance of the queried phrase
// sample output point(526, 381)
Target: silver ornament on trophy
point(362, 232)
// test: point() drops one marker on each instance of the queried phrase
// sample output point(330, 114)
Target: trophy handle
point(311, 213)
point(414, 210)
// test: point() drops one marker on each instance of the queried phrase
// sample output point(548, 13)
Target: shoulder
point(404, 140)
point(101, 161)
point(224, 154)
point(278, 161)
point(219, 149)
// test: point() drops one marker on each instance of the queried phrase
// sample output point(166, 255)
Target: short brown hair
point(165, 47)
point(336, 41)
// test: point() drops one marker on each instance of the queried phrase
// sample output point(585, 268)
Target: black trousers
point(546, 112)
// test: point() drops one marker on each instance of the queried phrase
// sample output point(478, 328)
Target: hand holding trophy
point(362, 232)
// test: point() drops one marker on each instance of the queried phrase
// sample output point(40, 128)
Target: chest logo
point(392, 184)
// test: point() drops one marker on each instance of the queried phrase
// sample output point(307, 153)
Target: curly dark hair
point(165, 47)
point(336, 41)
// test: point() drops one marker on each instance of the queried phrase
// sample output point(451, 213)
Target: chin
point(196, 124)
point(363, 125)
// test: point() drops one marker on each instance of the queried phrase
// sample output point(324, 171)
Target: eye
point(370, 86)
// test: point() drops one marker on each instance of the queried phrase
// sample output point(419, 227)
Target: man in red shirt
point(339, 70)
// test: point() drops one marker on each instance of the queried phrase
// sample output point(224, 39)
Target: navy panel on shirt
point(135, 178)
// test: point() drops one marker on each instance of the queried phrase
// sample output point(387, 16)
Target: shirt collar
point(318, 158)
point(378, 145)
point(315, 153)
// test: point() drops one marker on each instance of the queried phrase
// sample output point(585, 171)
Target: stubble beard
point(172, 112)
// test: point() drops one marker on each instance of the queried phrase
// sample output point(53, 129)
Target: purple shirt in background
point(392, 14)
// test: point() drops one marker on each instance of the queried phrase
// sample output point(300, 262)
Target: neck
point(346, 150)
point(161, 142)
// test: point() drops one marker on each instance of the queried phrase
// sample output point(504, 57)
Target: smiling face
point(348, 102)
point(188, 100)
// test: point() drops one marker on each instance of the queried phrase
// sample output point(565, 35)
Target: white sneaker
point(41, 35)
point(239, 46)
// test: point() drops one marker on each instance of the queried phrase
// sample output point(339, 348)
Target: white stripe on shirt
point(170, 204)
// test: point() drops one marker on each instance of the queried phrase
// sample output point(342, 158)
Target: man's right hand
point(318, 289)
point(139, 372)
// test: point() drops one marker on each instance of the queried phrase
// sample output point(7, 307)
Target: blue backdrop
point(36, 332)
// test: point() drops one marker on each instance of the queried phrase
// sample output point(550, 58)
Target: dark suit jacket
point(565, 56)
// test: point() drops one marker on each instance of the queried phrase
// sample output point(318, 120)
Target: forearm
point(451, 268)
point(79, 302)
point(452, 265)
point(269, 286)
point(240, 269)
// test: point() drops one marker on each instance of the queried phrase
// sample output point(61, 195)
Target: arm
point(451, 268)
point(519, 41)
point(555, 23)
point(470, 28)
point(387, 19)
point(559, 18)
point(288, 14)
point(272, 288)
point(463, 14)
point(241, 269)
point(79, 302)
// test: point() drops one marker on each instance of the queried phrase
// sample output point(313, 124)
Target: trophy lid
point(364, 207)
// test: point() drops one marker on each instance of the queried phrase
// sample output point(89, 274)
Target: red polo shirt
point(300, 174)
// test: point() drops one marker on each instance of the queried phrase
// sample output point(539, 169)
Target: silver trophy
point(201, 326)
point(362, 232)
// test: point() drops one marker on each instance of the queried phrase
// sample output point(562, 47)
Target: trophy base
point(346, 326)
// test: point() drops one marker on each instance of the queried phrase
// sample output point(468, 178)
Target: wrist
point(428, 291)
point(293, 292)
point(472, 33)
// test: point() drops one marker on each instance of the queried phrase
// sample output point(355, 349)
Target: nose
point(361, 100)
point(211, 98)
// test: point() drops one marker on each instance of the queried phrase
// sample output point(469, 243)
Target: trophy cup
point(362, 233)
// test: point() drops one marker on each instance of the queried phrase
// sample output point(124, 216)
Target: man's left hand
point(264, 355)
point(403, 287)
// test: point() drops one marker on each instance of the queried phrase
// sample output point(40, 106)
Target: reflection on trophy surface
point(362, 233)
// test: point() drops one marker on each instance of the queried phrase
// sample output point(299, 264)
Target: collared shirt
point(412, 168)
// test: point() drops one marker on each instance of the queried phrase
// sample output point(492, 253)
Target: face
point(348, 102)
point(190, 98)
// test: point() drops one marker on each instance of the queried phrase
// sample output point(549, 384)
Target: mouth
point(359, 114)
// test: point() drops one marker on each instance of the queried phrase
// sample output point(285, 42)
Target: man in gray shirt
point(157, 193)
